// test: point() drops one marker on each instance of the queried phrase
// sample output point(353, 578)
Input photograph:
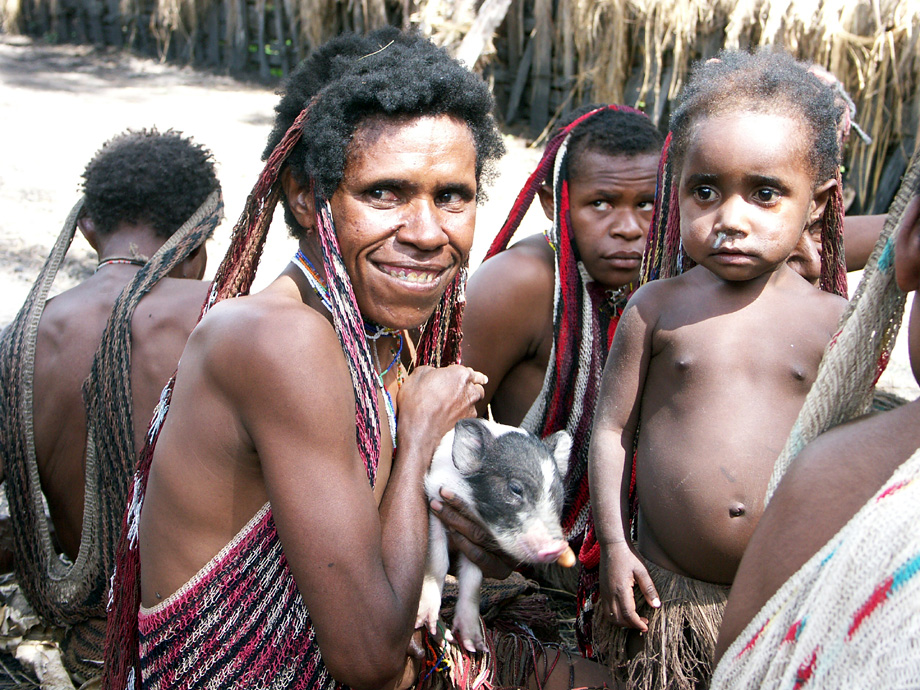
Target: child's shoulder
point(668, 295)
point(806, 298)
point(661, 291)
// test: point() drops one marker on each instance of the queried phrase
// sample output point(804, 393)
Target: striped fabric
point(240, 622)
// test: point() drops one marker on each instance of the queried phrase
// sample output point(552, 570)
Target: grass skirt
point(677, 651)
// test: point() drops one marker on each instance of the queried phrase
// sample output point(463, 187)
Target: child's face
point(611, 201)
point(746, 193)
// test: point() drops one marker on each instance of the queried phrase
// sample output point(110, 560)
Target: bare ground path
point(58, 104)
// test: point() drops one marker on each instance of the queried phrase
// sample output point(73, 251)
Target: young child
point(708, 370)
point(834, 557)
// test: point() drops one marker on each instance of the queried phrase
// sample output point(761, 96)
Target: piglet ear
point(470, 438)
point(560, 445)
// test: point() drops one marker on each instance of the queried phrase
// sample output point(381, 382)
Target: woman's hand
point(470, 536)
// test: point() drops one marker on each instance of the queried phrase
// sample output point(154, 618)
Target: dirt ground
point(58, 104)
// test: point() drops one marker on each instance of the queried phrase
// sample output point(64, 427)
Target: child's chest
point(745, 345)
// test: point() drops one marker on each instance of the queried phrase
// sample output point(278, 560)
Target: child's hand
point(620, 570)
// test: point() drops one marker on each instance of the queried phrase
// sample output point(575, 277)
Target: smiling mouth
point(416, 277)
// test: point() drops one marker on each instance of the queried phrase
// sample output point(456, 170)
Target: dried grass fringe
point(522, 640)
point(678, 649)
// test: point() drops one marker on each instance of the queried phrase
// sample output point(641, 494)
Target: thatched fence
point(543, 57)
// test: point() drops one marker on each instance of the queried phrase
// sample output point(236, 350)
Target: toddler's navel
point(736, 511)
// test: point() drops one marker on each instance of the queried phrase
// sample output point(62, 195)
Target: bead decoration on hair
point(322, 291)
point(121, 260)
point(312, 275)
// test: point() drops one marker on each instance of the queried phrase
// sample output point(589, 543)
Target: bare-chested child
point(827, 591)
point(87, 416)
point(708, 370)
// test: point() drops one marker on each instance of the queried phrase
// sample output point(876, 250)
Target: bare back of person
point(512, 295)
point(69, 334)
point(729, 368)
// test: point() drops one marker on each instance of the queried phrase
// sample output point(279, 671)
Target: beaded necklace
point(316, 282)
point(120, 260)
point(372, 331)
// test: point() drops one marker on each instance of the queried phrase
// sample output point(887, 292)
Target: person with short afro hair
point(295, 542)
point(611, 132)
point(82, 372)
point(352, 78)
point(150, 177)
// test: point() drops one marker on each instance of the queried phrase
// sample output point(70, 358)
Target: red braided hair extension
point(833, 261)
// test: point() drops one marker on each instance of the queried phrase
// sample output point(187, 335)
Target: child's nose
point(732, 217)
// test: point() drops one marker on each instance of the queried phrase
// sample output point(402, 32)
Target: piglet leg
point(466, 615)
point(435, 570)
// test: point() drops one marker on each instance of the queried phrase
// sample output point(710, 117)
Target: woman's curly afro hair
point(385, 73)
point(763, 82)
point(146, 176)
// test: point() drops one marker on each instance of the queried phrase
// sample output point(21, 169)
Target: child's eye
point(704, 193)
point(765, 195)
point(600, 204)
point(648, 205)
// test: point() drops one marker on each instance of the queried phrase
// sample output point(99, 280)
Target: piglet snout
point(551, 553)
point(541, 547)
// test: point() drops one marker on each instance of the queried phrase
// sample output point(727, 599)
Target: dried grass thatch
point(548, 55)
point(638, 52)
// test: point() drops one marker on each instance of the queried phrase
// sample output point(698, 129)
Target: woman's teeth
point(413, 276)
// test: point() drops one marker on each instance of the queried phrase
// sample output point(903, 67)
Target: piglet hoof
point(468, 631)
point(429, 607)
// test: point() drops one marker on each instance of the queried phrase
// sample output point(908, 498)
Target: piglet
point(512, 481)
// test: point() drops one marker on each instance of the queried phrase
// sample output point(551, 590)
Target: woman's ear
point(546, 200)
point(907, 247)
point(819, 199)
point(300, 199)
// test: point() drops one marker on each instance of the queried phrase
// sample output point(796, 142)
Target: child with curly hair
point(713, 364)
